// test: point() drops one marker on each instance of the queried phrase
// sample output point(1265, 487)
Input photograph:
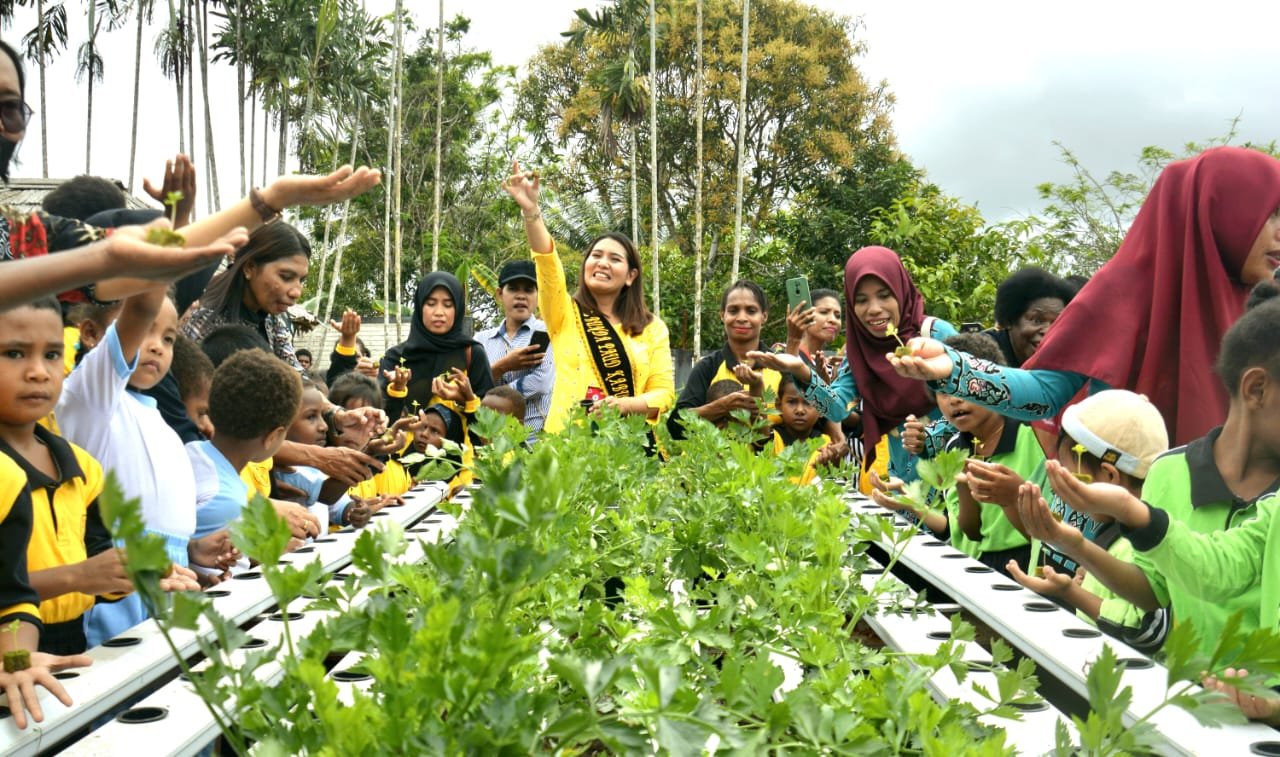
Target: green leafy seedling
point(1080, 449)
point(169, 237)
point(16, 659)
point(901, 350)
point(977, 445)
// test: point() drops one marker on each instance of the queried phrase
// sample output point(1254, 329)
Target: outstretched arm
point(523, 186)
point(1025, 395)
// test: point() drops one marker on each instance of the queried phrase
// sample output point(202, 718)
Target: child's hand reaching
point(382, 445)
point(358, 513)
point(1039, 522)
point(1097, 499)
point(20, 687)
point(752, 378)
point(1263, 708)
point(398, 378)
point(992, 482)
point(348, 329)
point(913, 435)
point(454, 385)
point(180, 578)
point(1049, 582)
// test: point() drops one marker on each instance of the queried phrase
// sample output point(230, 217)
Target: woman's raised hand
point(799, 319)
point(523, 186)
point(928, 360)
point(782, 362)
point(342, 184)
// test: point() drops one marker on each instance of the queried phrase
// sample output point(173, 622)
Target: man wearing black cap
point(515, 346)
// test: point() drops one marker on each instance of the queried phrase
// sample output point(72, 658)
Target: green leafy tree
point(41, 45)
point(1085, 218)
point(476, 143)
point(955, 259)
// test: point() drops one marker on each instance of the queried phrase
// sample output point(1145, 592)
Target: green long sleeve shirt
point(1216, 568)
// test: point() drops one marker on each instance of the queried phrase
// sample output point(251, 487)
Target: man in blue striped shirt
point(516, 361)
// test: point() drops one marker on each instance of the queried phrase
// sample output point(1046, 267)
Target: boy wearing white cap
point(1111, 437)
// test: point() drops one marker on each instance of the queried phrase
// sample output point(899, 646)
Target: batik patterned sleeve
point(1025, 395)
point(833, 400)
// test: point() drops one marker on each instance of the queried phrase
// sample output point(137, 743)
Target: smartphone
point(541, 340)
point(798, 292)
point(971, 327)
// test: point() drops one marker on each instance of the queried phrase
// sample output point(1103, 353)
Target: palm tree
point(89, 62)
point(201, 13)
point(742, 124)
point(170, 47)
point(620, 81)
point(653, 153)
point(41, 45)
point(143, 9)
point(240, 92)
point(436, 189)
point(699, 99)
point(399, 167)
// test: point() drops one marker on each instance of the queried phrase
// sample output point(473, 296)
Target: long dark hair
point(630, 307)
point(267, 244)
point(7, 148)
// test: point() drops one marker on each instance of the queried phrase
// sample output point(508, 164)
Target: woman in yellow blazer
point(609, 348)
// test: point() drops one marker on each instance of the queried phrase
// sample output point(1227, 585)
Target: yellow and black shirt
point(18, 601)
point(66, 526)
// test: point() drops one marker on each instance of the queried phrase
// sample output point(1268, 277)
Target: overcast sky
point(983, 89)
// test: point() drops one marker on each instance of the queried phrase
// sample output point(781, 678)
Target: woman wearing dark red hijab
point(879, 293)
point(1152, 318)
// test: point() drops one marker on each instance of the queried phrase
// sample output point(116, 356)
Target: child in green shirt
point(1112, 437)
point(1208, 574)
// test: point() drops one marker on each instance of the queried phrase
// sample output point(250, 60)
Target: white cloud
point(983, 89)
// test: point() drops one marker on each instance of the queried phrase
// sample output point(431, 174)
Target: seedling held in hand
point(1080, 449)
point(169, 237)
point(938, 473)
point(16, 659)
point(901, 350)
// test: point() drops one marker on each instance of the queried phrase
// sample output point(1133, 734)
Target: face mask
point(7, 150)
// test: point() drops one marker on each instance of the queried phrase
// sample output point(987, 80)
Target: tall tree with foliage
point(743, 76)
point(143, 11)
point(1086, 217)
point(476, 143)
point(41, 45)
point(618, 79)
point(794, 141)
point(89, 61)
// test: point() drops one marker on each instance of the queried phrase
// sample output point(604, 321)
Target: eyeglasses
point(14, 115)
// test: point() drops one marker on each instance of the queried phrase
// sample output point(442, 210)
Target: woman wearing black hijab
point(435, 346)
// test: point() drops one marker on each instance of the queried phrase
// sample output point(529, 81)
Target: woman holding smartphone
point(883, 306)
point(610, 350)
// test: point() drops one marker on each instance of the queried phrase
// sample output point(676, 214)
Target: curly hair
point(514, 398)
point(192, 369)
point(253, 394)
point(84, 196)
point(980, 346)
point(352, 385)
point(1254, 340)
point(1016, 293)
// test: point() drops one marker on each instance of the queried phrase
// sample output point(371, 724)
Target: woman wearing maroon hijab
point(1152, 318)
point(879, 293)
